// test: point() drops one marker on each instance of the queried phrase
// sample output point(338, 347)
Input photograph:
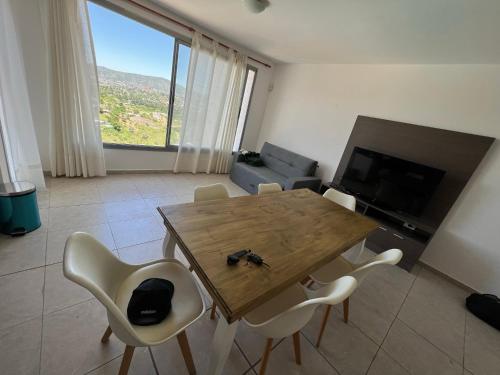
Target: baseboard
point(446, 277)
point(126, 171)
point(139, 171)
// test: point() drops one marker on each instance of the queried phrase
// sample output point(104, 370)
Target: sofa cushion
point(249, 177)
point(287, 163)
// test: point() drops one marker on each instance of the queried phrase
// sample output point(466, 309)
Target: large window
point(142, 81)
point(142, 74)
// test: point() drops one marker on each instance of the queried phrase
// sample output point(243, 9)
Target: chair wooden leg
point(346, 310)
point(105, 337)
point(311, 282)
point(323, 324)
point(296, 347)
point(265, 357)
point(127, 358)
point(186, 352)
point(212, 312)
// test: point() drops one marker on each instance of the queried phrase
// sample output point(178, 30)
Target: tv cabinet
point(456, 153)
point(395, 231)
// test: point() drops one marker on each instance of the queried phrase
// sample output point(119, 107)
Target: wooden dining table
point(295, 232)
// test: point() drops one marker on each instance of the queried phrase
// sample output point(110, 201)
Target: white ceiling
point(356, 31)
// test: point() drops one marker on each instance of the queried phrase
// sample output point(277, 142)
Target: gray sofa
point(290, 170)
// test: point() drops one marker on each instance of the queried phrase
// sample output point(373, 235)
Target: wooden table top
point(295, 232)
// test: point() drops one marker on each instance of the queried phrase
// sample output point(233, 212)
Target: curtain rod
point(190, 28)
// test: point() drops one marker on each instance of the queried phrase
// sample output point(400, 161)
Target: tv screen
point(389, 182)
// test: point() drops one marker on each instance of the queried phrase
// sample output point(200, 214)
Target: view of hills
point(134, 108)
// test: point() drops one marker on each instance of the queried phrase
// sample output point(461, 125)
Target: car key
point(256, 259)
point(235, 257)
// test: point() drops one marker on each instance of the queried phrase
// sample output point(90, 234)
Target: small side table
point(18, 208)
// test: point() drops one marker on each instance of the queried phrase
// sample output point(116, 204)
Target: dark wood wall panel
point(454, 152)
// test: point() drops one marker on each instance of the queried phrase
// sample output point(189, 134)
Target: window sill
point(170, 148)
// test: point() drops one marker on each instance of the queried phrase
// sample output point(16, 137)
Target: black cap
point(151, 302)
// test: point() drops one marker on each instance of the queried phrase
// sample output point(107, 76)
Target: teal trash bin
point(18, 208)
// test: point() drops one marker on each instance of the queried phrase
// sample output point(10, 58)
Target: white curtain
point(19, 145)
point(76, 145)
point(211, 107)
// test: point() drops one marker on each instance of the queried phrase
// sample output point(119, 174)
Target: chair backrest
point(345, 200)
point(389, 257)
point(91, 265)
point(296, 317)
point(210, 192)
point(273, 187)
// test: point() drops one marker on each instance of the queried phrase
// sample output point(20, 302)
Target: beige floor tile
point(169, 359)
point(142, 253)
point(141, 365)
point(20, 348)
point(71, 198)
point(134, 232)
point(155, 188)
point(71, 340)
point(416, 354)
point(43, 199)
point(344, 345)
point(128, 210)
point(251, 343)
point(115, 194)
point(21, 297)
point(75, 217)
point(21, 253)
point(442, 305)
point(385, 365)
point(482, 347)
point(282, 360)
point(61, 292)
point(57, 239)
point(374, 305)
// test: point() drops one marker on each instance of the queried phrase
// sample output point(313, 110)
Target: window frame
point(256, 71)
point(178, 39)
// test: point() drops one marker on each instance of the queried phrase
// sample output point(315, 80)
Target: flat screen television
point(389, 182)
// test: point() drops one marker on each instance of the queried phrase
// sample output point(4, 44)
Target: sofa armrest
point(312, 183)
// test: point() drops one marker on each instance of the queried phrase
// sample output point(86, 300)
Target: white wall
point(312, 110)
point(30, 25)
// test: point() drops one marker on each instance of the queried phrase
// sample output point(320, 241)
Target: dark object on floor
point(252, 158)
point(290, 170)
point(151, 302)
point(486, 307)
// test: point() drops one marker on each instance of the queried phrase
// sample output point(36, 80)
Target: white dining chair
point(269, 188)
point(207, 193)
point(210, 192)
point(341, 267)
point(286, 314)
point(349, 202)
point(90, 264)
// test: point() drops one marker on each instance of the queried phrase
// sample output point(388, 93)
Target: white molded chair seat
point(185, 309)
point(340, 267)
point(210, 192)
point(349, 202)
point(287, 313)
point(90, 264)
point(269, 188)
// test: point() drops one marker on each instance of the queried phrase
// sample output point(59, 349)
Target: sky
point(126, 45)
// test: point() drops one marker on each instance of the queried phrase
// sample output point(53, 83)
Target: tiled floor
point(401, 323)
